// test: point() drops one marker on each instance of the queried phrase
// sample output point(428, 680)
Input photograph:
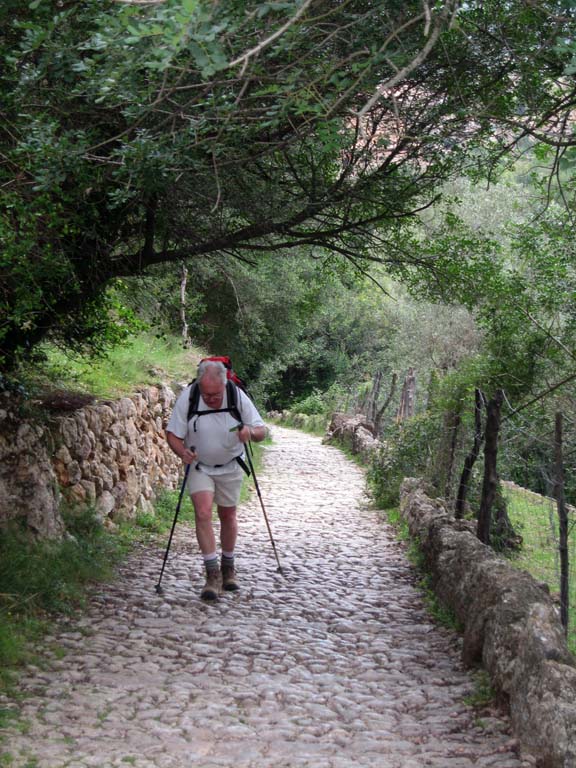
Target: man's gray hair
point(214, 368)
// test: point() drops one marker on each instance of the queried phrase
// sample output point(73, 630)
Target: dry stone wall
point(28, 486)
point(111, 455)
point(355, 432)
point(511, 624)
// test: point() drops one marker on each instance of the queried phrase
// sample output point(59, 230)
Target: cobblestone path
point(337, 665)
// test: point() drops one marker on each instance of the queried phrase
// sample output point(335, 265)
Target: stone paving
point(336, 664)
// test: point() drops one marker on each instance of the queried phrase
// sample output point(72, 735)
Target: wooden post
point(490, 481)
point(407, 398)
point(183, 281)
point(380, 411)
point(470, 460)
point(454, 423)
point(563, 521)
point(372, 404)
point(410, 393)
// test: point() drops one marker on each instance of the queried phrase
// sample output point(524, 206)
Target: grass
point(144, 359)
point(535, 518)
point(39, 579)
point(483, 694)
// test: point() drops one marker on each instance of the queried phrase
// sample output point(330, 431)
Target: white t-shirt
point(209, 435)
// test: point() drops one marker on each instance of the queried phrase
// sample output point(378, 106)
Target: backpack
point(232, 384)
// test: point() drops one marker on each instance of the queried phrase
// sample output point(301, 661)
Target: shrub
point(405, 453)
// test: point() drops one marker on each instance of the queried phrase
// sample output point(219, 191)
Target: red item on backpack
point(230, 373)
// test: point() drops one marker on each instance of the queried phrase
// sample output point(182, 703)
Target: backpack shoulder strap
point(232, 397)
point(193, 399)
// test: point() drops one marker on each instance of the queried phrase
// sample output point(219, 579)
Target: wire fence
point(527, 482)
point(536, 519)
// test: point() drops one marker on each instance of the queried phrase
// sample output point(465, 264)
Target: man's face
point(212, 391)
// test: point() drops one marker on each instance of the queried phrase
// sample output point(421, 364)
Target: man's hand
point(188, 456)
point(244, 434)
point(247, 434)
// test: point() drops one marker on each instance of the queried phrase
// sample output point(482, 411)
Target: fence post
point(490, 482)
point(471, 458)
point(183, 281)
point(407, 398)
point(563, 520)
point(380, 411)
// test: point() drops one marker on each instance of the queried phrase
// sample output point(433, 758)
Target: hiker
point(213, 443)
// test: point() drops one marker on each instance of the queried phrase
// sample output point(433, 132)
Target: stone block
point(151, 395)
point(105, 505)
point(90, 489)
point(126, 408)
point(76, 494)
point(63, 455)
point(106, 416)
point(82, 449)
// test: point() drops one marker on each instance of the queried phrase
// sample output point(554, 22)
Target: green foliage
point(145, 133)
point(406, 452)
point(320, 403)
point(313, 424)
point(483, 694)
point(50, 576)
point(535, 517)
point(312, 405)
point(144, 359)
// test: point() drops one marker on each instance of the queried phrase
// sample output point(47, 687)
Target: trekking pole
point(251, 465)
point(158, 586)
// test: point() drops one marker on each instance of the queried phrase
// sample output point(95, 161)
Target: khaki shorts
point(226, 488)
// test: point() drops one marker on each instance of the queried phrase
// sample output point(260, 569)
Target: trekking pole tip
point(159, 590)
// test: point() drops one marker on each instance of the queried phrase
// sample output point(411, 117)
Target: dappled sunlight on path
point(335, 665)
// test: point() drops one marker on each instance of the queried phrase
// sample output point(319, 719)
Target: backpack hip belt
point(238, 459)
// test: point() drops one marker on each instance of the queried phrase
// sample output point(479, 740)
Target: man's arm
point(177, 445)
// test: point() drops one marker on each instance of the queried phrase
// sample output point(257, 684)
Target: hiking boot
point(213, 586)
point(229, 578)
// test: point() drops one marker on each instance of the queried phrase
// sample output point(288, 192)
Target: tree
point(136, 133)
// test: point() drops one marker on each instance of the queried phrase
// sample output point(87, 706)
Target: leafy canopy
point(138, 133)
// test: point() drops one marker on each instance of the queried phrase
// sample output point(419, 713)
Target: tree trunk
point(408, 397)
point(183, 282)
point(373, 397)
point(380, 412)
point(490, 482)
point(504, 535)
point(563, 522)
point(470, 460)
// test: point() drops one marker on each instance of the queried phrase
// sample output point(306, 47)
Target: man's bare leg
point(228, 536)
point(202, 501)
